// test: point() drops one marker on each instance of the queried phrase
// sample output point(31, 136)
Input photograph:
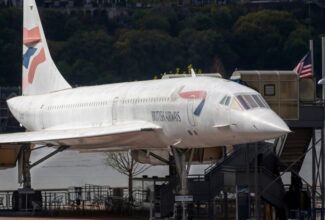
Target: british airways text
point(166, 116)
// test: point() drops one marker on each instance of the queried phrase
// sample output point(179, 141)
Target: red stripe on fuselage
point(40, 58)
point(31, 36)
point(193, 95)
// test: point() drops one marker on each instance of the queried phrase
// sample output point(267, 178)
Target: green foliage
point(296, 44)
point(87, 56)
point(153, 21)
point(10, 46)
point(200, 46)
point(53, 24)
point(143, 43)
point(139, 54)
point(261, 37)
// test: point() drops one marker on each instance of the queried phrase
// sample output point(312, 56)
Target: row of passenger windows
point(103, 103)
point(77, 105)
point(146, 100)
point(246, 101)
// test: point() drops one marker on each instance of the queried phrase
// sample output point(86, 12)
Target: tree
point(139, 54)
point(86, 57)
point(153, 21)
point(260, 37)
point(201, 47)
point(126, 165)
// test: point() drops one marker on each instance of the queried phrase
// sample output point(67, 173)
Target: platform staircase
point(236, 169)
point(239, 166)
point(292, 148)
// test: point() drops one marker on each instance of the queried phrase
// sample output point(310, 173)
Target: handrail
point(232, 154)
point(280, 141)
point(316, 102)
point(215, 165)
point(288, 168)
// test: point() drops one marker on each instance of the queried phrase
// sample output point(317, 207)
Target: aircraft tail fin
point(40, 74)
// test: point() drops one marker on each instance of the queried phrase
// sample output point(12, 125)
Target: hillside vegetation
point(144, 43)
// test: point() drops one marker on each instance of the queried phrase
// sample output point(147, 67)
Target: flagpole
point(323, 150)
point(314, 181)
point(323, 64)
point(311, 48)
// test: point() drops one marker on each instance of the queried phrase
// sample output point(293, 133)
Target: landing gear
point(27, 199)
point(182, 199)
point(24, 167)
point(24, 198)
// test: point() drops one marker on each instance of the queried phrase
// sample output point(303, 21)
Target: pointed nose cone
point(270, 125)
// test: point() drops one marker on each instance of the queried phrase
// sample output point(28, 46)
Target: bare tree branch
point(126, 165)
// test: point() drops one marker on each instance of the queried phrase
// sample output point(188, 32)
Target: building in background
point(95, 4)
point(10, 3)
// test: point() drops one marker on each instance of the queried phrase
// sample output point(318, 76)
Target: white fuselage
point(188, 110)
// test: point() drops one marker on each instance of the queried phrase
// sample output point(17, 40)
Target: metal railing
point(219, 162)
point(87, 198)
point(5, 200)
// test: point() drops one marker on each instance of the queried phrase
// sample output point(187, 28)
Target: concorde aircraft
point(182, 113)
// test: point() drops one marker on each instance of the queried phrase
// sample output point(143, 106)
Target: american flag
point(304, 68)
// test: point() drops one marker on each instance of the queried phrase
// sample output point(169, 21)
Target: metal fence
point(86, 198)
point(5, 200)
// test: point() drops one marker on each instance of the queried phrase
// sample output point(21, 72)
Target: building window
point(269, 90)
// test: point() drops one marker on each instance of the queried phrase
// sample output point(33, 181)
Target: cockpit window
point(263, 101)
point(258, 101)
point(242, 102)
point(251, 101)
point(225, 100)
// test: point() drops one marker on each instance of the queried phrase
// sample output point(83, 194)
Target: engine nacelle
point(143, 156)
point(8, 156)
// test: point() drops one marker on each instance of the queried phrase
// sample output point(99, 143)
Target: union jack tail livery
point(40, 74)
point(304, 68)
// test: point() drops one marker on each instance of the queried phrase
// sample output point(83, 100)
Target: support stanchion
point(314, 180)
point(323, 145)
